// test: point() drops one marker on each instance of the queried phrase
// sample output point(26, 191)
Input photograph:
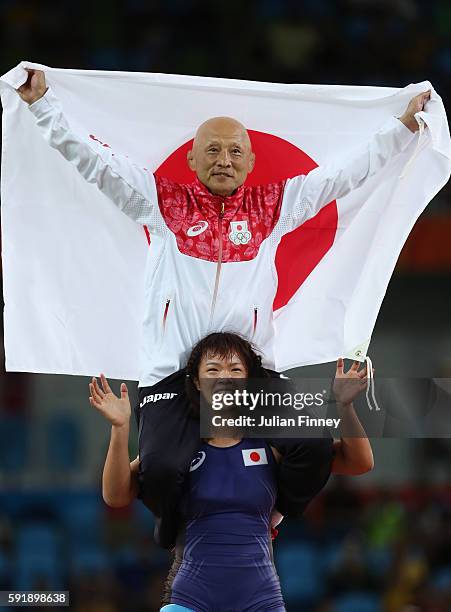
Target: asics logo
point(197, 461)
point(197, 229)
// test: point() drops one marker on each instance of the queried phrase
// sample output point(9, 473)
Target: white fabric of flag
point(73, 264)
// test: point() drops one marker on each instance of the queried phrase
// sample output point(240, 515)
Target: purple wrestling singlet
point(224, 559)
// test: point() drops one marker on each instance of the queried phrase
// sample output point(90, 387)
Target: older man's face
point(221, 155)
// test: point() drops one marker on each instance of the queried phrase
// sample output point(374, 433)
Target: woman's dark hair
point(220, 344)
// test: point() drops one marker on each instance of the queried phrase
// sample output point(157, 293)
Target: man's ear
point(190, 160)
point(251, 161)
point(196, 383)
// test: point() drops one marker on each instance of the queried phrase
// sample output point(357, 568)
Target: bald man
point(211, 267)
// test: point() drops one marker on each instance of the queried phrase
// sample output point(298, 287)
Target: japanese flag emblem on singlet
point(254, 456)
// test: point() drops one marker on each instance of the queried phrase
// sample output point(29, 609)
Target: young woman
point(223, 557)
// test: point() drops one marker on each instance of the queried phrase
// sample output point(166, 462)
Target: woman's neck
point(223, 442)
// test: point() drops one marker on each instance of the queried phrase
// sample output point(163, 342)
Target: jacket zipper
point(218, 267)
point(165, 315)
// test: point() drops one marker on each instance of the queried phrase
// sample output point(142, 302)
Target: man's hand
point(348, 385)
point(415, 105)
point(116, 410)
point(34, 88)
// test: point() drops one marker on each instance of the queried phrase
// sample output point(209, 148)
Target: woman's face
point(216, 373)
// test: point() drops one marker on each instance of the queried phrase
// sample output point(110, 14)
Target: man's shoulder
point(165, 183)
point(266, 191)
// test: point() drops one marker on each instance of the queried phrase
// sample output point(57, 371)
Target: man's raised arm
point(306, 195)
point(130, 187)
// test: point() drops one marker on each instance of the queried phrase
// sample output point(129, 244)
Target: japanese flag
point(332, 272)
point(254, 456)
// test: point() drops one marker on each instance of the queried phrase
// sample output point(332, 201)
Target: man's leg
point(168, 439)
point(304, 469)
point(305, 465)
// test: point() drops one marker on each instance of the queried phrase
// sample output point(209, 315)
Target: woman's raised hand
point(116, 409)
point(348, 385)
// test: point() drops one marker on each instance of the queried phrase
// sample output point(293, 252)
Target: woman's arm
point(352, 453)
point(120, 477)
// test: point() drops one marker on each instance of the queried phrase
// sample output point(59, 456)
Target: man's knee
point(161, 471)
point(304, 450)
point(303, 471)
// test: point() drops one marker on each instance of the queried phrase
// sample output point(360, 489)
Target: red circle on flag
point(254, 456)
point(300, 251)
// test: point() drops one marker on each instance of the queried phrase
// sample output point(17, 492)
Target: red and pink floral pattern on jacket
point(192, 213)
